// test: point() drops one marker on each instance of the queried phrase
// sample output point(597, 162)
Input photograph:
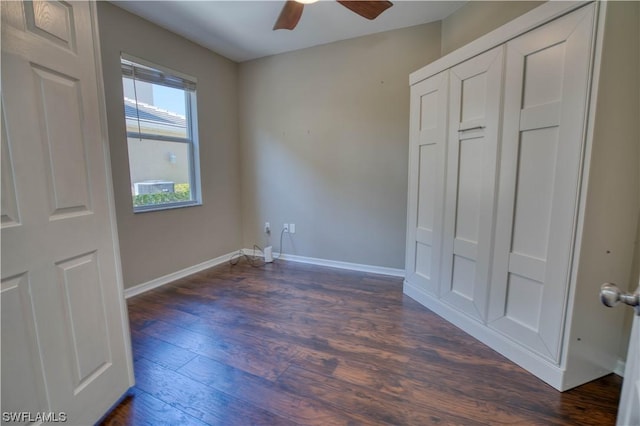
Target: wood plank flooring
point(290, 343)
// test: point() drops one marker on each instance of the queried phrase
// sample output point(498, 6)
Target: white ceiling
point(242, 30)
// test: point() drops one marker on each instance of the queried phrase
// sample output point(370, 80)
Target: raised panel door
point(426, 182)
point(64, 325)
point(546, 87)
point(474, 114)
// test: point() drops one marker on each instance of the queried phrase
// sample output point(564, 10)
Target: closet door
point(426, 182)
point(547, 79)
point(474, 111)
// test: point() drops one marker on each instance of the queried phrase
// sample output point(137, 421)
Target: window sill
point(160, 207)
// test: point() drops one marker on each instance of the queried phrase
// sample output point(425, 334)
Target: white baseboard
point(334, 263)
point(620, 366)
point(166, 279)
point(158, 282)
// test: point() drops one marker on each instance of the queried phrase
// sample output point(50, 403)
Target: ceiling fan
point(292, 10)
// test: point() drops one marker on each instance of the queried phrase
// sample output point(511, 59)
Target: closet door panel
point(546, 87)
point(426, 182)
point(474, 112)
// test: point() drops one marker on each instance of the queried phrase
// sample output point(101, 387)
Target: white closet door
point(547, 78)
point(426, 182)
point(474, 111)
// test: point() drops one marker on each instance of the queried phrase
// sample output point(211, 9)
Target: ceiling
point(242, 30)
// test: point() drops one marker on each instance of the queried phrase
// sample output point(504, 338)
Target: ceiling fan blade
point(289, 16)
point(366, 9)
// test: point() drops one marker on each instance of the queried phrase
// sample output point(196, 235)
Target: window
point(160, 114)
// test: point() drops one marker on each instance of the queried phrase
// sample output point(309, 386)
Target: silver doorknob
point(611, 295)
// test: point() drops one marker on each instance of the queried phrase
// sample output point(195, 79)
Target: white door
point(475, 89)
point(546, 88)
point(629, 409)
point(426, 182)
point(65, 336)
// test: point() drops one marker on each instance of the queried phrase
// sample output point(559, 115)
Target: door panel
point(534, 186)
point(58, 249)
point(475, 91)
point(81, 287)
point(546, 86)
point(426, 181)
point(23, 388)
point(63, 142)
point(10, 216)
point(53, 20)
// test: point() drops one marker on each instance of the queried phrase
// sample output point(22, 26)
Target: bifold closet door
point(474, 111)
point(546, 87)
point(426, 181)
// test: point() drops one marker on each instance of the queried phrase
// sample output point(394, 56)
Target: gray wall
point(324, 135)
point(477, 18)
point(154, 244)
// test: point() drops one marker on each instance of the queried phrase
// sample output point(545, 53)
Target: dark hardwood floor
point(290, 343)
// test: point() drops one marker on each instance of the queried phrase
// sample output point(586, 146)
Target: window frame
point(191, 118)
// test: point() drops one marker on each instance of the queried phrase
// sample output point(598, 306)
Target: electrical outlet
point(285, 227)
point(292, 228)
point(267, 228)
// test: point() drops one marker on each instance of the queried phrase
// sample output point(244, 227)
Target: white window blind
point(152, 75)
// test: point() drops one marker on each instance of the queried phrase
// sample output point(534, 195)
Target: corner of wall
point(327, 148)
